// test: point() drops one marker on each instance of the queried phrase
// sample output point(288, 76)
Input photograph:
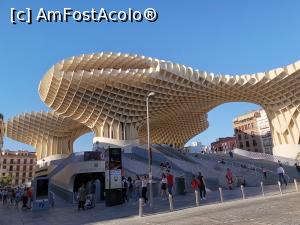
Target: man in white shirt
point(280, 172)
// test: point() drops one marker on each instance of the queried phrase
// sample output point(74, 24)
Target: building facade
point(2, 131)
point(19, 165)
point(195, 147)
point(253, 133)
point(265, 132)
point(223, 144)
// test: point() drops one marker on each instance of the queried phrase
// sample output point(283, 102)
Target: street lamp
point(149, 150)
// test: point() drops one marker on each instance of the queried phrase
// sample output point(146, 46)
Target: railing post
point(141, 203)
point(296, 185)
point(221, 194)
point(262, 188)
point(171, 202)
point(279, 186)
point(243, 193)
point(197, 198)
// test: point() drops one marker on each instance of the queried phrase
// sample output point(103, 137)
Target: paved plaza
point(271, 209)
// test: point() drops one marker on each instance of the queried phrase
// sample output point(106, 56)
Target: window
point(4, 160)
point(254, 143)
point(30, 174)
point(25, 161)
point(241, 145)
point(19, 161)
point(24, 174)
point(11, 161)
point(30, 167)
point(247, 144)
point(23, 181)
point(239, 137)
point(246, 136)
point(17, 174)
point(4, 167)
point(18, 168)
point(24, 167)
point(3, 174)
point(31, 161)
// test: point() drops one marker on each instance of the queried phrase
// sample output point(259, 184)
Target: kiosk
point(113, 177)
point(40, 187)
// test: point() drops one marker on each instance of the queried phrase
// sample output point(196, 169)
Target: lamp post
point(149, 151)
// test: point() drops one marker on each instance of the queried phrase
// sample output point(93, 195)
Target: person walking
point(195, 183)
point(130, 188)
point(18, 197)
point(281, 173)
point(81, 197)
point(231, 154)
point(144, 189)
point(297, 166)
point(124, 189)
point(229, 177)
point(25, 200)
point(137, 188)
point(163, 187)
point(30, 199)
point(93, 193)
point(170, 182)
point(202, 186)
point(264, 170)
point(13, 197)
point(4, 196)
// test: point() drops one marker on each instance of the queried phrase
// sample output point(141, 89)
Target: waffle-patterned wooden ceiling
point(106, 92)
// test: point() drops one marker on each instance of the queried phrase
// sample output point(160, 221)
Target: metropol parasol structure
point(105, 94)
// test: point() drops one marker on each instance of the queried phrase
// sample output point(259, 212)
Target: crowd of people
point(138, 188)
point(14, 197)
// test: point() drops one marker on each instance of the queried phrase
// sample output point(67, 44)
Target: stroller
point(88, 202)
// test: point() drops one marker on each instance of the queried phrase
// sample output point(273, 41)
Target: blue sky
point(229, 37)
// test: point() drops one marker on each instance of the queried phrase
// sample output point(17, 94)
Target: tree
point(5, 181)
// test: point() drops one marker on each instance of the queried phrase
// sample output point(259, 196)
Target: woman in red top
point(170, 182)
point(229, 178)
point(195, 183)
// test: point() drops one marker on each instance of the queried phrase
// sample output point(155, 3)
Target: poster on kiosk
point(113, 177)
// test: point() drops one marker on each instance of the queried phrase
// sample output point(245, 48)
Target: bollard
point(262, 188)
point(171, 202)
point(243, 193)
point(197, 198)
point(279, 185)
point(221, 194)
point(296, 185)
point(150, 190)
point(141, 203)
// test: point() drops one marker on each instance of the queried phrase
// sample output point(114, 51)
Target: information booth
point(113, 177)
point(40, 191)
